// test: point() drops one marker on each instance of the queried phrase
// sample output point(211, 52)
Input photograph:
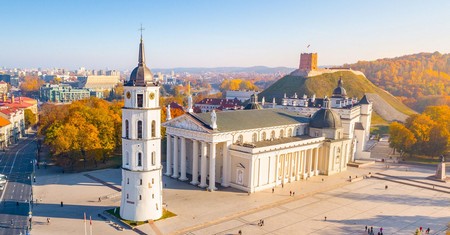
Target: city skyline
point(217, 34)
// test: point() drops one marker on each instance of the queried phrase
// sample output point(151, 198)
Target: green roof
point(251, 119)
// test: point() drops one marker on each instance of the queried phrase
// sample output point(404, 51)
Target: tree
point(91, 129)
point(30, 118)
point(31, 84)
point(401, 139)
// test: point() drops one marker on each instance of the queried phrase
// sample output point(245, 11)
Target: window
point(153, 180)
point(139, 130)
point(128, 180)
point(140, 181)
point(153, 196)
point(281, 134)
point(157, 206)
point(127, 158)
point(290, 133)
point(140, 100)
point(272, 135)
point(153, 128)
point(127, 129)
point(139, 161)
point(254, 138)
point(263, 136)
point(153, 158)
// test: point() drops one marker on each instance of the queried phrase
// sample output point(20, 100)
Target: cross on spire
point(141, 29)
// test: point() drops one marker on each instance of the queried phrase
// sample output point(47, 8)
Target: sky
point(104, 34)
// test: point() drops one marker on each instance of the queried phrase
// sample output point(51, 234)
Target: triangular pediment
point(186, 122)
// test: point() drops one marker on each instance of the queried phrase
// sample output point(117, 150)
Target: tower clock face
point(152, 96)
point(128, 95)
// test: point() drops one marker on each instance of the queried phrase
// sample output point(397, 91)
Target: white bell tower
point(141, 146)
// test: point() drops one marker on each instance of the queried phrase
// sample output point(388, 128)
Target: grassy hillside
point(323, 85)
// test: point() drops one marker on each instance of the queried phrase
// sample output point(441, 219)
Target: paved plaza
point(348, 206)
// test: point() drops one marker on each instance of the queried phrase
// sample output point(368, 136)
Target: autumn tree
point(31, 84)
point(30, 118)
point(88, 129)
point(401, 139)
point(237, 84)
point(427, 133)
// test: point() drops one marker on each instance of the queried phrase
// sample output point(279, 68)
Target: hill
point(414, 77)
point(323, 85)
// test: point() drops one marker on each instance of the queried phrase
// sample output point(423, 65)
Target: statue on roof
point(213, 119)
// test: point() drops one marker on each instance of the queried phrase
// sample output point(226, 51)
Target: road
point(17, 164)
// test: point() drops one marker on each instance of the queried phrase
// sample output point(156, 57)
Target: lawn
point(116, 212)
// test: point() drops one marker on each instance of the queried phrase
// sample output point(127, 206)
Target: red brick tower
point(308, 61)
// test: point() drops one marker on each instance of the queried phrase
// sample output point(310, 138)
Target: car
point(3, 179)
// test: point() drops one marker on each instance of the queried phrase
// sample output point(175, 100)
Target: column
point(169, 156)
point(194, 162)
point(309, 162)
point(304, 153)
point(203, 166)
point(175, 157)
point(290, 166)
point(297, 165)
point(183, 159)
point(212, 167)
point(225, 163)
point(316, 161)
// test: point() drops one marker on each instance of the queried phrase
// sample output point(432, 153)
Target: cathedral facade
point(257, 149)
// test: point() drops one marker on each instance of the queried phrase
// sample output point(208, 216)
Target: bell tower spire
point(141, 49)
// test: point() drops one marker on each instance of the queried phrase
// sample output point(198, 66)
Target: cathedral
point(256, 148)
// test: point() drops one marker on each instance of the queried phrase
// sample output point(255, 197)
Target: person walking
point(273, 190)
point(365, 228)
point(427, 231)
point(290, 193)
point(293, 194)
point(62, 204)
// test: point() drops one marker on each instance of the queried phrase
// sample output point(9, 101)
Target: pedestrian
point(428, 231)
point(12, 222)
point(48, 220)
point(381, 229)
point(420, 229)
point(290, 193)
point(273, 190)
point(325, 218)
point(293, 194)
point(282, 185)
point(262, 222)
point(379, 233)
point(62, 204)
point(99, 199)
point(371, 230)
point(365, 228)
point(386, 187)
point(240, 232)
point(17, 203)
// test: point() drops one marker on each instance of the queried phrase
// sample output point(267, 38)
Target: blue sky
point(104, 34)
